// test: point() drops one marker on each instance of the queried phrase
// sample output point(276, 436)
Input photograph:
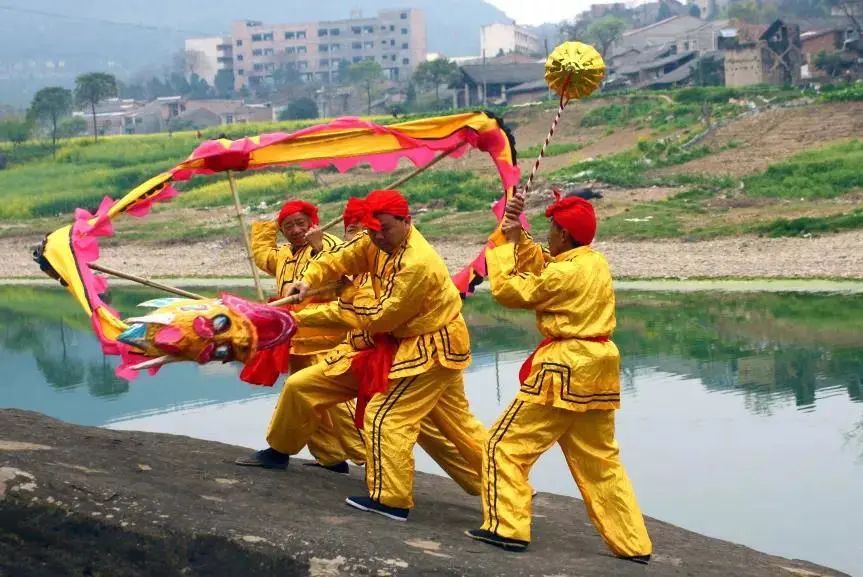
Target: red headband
point(576, 216)
point(295, 206)
point(384, 202)
point(354, 212)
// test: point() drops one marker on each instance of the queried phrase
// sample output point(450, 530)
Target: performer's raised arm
point(265, 248)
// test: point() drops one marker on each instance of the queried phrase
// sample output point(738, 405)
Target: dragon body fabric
point(230, 328)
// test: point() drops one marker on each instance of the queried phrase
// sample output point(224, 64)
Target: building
point(839, 38)
point(758, 54)
point(126, 116)
point(644, 69)
point(687, 33)
point(489, 83)
point(498, 39)
point(318, 51)
point(220, 111)
point(207, 56)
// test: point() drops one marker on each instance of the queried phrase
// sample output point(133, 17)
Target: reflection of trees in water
point(102, 382)
point(855, 437)
point(770, 347)
point(48, 343)
point(63, 371)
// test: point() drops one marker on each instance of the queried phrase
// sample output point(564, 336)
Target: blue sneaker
point(268, 459)
point(341, 468)
point(504, 543)
point(640, 559)
point(367, 504)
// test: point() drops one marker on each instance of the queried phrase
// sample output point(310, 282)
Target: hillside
point(778, 173)
point(142, 35)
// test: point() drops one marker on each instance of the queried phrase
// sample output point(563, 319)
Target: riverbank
point(837, 256)
point(80, 500)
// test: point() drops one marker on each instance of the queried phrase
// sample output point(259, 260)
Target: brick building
point(318, 51)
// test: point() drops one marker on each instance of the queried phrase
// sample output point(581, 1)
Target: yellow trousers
point(527, 430)
point(430, 407)
point(338, 438)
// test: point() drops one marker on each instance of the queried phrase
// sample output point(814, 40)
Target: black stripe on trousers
point(352, 413)
point(491, 469)
point(392, 398)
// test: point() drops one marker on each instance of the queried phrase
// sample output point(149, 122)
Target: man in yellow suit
point(409, 373)
point(337, 440)
point(570, 385)
point(334, 314)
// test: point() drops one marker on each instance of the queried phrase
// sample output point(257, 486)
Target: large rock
point(94, 502)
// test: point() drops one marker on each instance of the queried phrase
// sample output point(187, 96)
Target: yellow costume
point(432, 441)
point(337, 439)
point(413, 299)
point(568, 397)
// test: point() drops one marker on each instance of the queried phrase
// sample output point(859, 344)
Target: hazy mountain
point(50, 41)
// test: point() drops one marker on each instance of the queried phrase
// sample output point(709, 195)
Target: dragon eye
point(221, 323)
point(223, 353)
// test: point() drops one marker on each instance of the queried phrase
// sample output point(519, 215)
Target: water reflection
point(769, 348)
point(739, 410)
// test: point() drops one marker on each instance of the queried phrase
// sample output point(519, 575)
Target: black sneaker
point(340, 468)
point(496, 540)
point(367, 504)
point(640, 559)
point(268, 459)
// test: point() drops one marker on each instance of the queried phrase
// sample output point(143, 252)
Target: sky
point(533, 12)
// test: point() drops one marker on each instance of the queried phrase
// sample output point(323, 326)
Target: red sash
point(524, 371)
point(371, 368)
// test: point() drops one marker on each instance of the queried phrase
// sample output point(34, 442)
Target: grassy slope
point(779, 201)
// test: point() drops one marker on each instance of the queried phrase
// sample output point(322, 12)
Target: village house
point(758, 54)
point(489, 83)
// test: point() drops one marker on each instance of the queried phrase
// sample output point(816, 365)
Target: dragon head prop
point(226, 329)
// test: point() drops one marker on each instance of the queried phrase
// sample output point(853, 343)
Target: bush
point(847, 94)
point(300, 109)
point(824, 173)
point(698, 94)
point(812, 224)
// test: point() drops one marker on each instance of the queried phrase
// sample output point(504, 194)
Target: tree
point(15, 130)
point(853, 11)
point(93, 88)
point(694, 11)
point(434, 73)
point(410, 94)
point(831, 63)
point(708, 71)
point(69, 127)
point(51, 104)
point(366, 73)
point(753, 12)
point(224, 82)
point(605, 31)
point(663, 12)
point(199, 88)
point(300, 109)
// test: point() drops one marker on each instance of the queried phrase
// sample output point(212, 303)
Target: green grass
point(630, 168)
point(811, 224)
point(270, 187)
point(843, 93)
point(823, 173)
point(552, 150)
point(34, 184)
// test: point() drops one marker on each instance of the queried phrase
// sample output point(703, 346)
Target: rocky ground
point(830, 256)
point(86, 501)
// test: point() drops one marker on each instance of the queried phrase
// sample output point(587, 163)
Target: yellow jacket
point(412, 298)
point(573, 297)
point(334, 315)
point(282, 263)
